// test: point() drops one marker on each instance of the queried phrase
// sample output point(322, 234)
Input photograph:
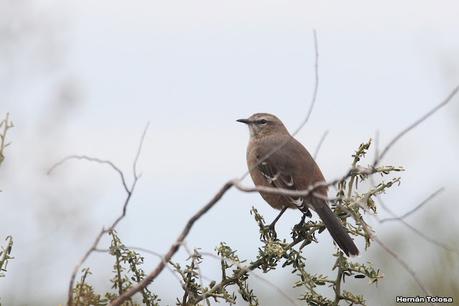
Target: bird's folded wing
point(281, 179)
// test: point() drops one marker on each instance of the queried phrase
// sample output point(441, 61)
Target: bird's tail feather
point(337, 230)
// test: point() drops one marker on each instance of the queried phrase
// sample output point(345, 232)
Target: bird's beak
point(246, 121)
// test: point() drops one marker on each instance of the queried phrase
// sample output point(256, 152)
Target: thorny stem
point(351, 182)
point(222, 264)
point(357, 155)
point(118, 271)
point(138, 278)
point(7, 124)
point(5, 254)
point(83, 279)
point(340, 257)
point(187, 283)
point(338, 280)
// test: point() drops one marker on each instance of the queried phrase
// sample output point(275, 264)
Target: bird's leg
point(303, 217)
point(271, 227)
point(306, 213)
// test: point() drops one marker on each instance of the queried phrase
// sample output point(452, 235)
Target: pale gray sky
point(192, 69)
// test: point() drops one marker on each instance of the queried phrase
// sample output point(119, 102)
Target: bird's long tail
point(336, 229)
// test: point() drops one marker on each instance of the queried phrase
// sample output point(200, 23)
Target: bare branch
point(6, 124)
point(319, 145)
point(91, 159)
point(139, 150)
point(416, 123)
point(280, 191)
point(427, 200)
point(430, 239)
point(140, 249)
point(305, 192)
point(376, 145)
point(412, 228)
point(404, 265)
point(316, 84)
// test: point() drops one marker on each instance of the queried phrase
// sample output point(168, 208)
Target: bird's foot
point(302, 221)
point(269, 232)
point(299, 229)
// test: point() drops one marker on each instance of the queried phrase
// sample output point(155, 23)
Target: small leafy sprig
point(127, 270)
point(5, 255)
point(5, 125)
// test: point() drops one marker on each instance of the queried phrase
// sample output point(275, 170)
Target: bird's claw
point(269, 232)
point(302, 221)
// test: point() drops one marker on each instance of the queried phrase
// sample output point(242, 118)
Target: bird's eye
point(263, 121)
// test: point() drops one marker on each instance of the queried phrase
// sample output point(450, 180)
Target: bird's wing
point(281, 178)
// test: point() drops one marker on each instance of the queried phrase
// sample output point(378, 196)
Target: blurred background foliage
point(83, 77)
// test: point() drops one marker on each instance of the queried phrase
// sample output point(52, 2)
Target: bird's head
point(263, 124)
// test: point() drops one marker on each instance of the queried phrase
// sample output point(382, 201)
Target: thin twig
point(404, 265)
point(91, 159)
point(304, 193)
point(412, 228)
point(139, 150)
point(6, 124)
point(5, 254)
point(190, 254)
point(430, 239)
point(376, 145)
point(83, 279)
point(427, 200)
point(316, 84)
point(416, 123)
point(118, 272)
point(339, 278)
point(419, 233)
point(319, 145)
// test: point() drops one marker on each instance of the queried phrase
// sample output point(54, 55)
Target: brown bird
point(276, 159)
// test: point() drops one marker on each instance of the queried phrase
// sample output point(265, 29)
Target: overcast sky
point(87, 76)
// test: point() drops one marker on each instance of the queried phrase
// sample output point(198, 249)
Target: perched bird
point(276, 159)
